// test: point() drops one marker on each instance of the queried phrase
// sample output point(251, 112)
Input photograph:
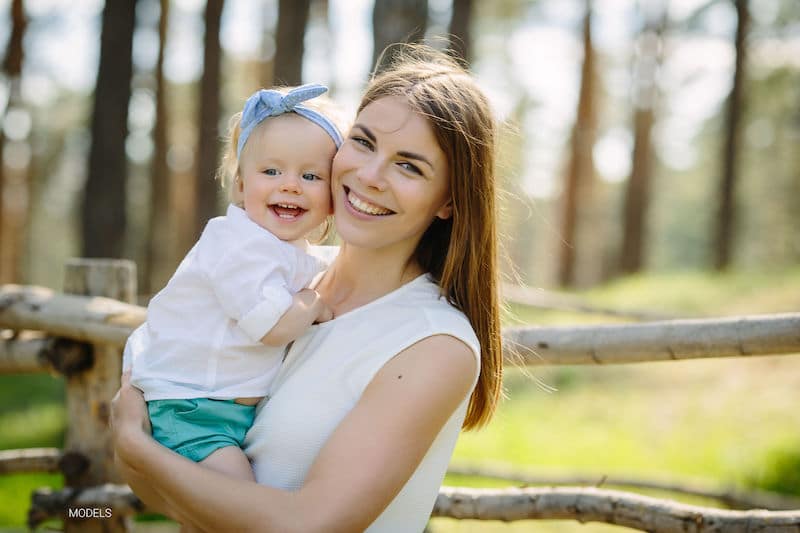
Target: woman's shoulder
point(425, 293)
point(432, 314)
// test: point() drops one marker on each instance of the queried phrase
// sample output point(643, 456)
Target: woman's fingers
point(128, 407)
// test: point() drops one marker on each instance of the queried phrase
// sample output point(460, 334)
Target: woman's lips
point(363, 206)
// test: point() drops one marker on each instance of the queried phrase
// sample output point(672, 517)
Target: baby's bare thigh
point(230, 460)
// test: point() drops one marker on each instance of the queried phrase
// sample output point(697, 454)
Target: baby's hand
point(315, 305)
point(325, 312)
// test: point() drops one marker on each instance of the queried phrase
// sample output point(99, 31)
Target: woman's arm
point(361, 468)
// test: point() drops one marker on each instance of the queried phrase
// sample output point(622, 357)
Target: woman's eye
point(363, 142)
point(272, 172)
point(410, 167)
point(308, 176)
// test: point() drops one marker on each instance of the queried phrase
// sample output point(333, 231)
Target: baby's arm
point(306, 309)
point(251, 282)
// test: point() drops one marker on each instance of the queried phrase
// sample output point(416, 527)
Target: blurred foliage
point(780, 471)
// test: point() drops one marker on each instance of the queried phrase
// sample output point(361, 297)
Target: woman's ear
point(446, 211)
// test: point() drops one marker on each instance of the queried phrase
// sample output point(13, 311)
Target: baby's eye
point(308, 176)
point(272, 172)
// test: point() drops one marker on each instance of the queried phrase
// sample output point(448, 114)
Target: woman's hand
point(129, 418)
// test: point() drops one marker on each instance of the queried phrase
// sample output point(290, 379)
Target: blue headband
point(270, 103)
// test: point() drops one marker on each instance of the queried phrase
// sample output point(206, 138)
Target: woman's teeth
point(366, 208)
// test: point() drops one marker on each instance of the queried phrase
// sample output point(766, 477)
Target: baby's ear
point(236, 195)
point(446, 211)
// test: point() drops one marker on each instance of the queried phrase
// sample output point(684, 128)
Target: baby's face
point(286, 175)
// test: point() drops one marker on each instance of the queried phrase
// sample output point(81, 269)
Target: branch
point(82, 318)
point(24, 353)
point(102, 320)
point(656, 341)
point(29, 460)
point(732, 498)
point(608, 506)
point(50, 460)
point(582, 504)
point(46, 503)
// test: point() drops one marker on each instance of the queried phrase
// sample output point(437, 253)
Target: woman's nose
point(371, 174)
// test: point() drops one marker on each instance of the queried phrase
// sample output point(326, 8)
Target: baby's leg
point(229, 460)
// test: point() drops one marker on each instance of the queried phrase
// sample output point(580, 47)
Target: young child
point(200, 356)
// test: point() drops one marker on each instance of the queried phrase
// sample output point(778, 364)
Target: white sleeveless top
point(323, 376)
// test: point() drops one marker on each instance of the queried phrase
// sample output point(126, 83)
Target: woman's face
point(389, 178)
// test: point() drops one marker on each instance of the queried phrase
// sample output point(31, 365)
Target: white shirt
point(322, 378)
point(203, 330)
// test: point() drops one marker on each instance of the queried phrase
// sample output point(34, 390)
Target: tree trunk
point(460, 36)
point(726, 213)
point(580, 171)
point(266, 63)
point(206, 205)
point(396, 21)
point(104, 198)
point(157, 255)
point(14, 184)
point(289, 41)
point(637, 194)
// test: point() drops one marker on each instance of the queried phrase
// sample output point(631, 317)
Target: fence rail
point(80, 333)
point(103, 320)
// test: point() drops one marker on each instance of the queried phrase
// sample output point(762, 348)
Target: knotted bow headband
point(266, 103)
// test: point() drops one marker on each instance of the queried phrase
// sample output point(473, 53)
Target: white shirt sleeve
point(250, 280)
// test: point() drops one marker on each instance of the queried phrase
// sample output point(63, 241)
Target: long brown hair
point(461, 251)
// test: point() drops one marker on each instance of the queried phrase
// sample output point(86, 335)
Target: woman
point(365, 412)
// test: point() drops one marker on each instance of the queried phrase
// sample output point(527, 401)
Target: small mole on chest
point(400, 376)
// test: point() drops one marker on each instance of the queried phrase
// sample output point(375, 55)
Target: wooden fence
point(80, 334)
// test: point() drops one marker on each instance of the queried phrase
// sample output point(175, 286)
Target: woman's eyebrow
point(411, 155)
point(418, 157)
point(367, 132)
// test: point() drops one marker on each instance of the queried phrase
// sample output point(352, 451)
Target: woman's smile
point(363, 206)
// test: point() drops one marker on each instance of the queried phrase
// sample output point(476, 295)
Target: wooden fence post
point(89, 395)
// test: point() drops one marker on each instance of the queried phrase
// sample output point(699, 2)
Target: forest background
point(649, 160)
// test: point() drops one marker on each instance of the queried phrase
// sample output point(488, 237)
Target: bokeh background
point(649, 160)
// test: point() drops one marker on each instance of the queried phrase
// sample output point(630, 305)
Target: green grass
point(32, 415)
point(679, 295)
point(730, 421)
point(720, 421)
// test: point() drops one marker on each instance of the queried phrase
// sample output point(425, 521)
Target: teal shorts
point(195, 428)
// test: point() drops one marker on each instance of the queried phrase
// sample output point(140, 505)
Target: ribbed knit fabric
point(323, 376)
